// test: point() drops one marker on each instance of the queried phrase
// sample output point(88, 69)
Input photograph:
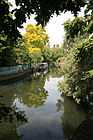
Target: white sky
point(54, 28)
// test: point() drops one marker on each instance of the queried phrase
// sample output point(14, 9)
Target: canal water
point(34, 109)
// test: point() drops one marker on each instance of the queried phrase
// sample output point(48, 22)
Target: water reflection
point(49, 115)
point(44, 120)
point(84, 131)
point(72, 118)
point(36, 99)
point(32, 93)
point(9, 118)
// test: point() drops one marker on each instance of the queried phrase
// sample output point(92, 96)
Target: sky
point(54, 27)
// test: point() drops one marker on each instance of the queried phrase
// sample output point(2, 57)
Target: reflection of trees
point(10, 117)
point(35, 100)
point(7, 111)
point(11, 114)
point(72, 117)
point(60, 105)
point(32, 93)
point(84, 131)
point(8, 131)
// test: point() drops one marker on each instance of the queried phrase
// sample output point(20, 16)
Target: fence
point(13, 69)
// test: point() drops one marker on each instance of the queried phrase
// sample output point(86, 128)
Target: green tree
point(7, 53)
point(47, 54)
point(75, 27)
point(36, 56)
point(22, 54)
point(8, 27)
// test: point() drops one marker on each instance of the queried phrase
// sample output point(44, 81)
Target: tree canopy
point(8, 26)
point(43, 9)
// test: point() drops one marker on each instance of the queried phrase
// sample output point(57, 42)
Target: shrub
point(77, 65)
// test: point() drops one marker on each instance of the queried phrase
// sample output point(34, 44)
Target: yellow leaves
point(35, 36)
point(34, 50)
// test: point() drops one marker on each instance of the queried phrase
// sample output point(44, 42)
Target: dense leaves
point(35, 36)
point(75, 27)
point(35, 39)
point(77, 64)
point(43, 9)
point(7, 24)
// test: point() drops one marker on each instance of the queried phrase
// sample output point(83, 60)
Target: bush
point(77, 65)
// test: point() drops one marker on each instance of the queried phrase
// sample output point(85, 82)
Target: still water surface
point(49, 115)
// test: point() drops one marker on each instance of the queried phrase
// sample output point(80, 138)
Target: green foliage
point(7, 52)
point(22, 54)
point(89, 27)
point(7, 24)
point(51, 55)
point(89, 7)
point(8, 57)
point(86, 54)
point(10, 20)
point(75, 27)
point(77, 63)
point(44, 9)
point(36, 57)
point(34, 46)
point(47, 54)
point(78, 26)
point(57, 53)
